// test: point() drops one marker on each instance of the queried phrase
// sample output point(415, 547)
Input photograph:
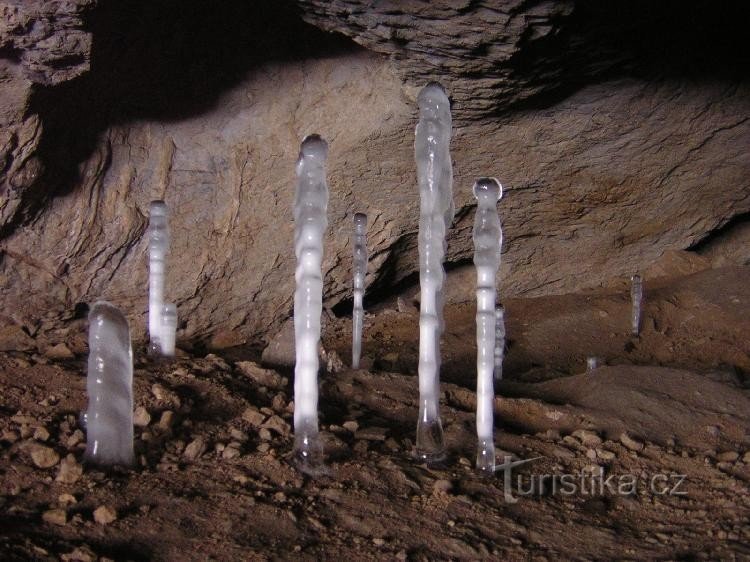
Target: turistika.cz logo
point(585, 483)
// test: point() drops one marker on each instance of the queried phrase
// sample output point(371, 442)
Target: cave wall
point(608, 156)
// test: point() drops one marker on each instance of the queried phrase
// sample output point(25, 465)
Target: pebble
point(351, 425)
point(587, 437)
point(263, 447)
point(66, 499)
point(265, 434)
point(746, 457)
point(278, 425)
point(232, 451)
point(263, 377)
point(44, 457)
point(442, 486)
point(59, 351)
point(604, 454)
point(164, 395)
point(70, 471)
point(630, 443)
point(253, 417)
point(9, 436)
point(141, 417)
point(104, 515)
point(728, 456)
point(80, 554)
point(75, 438)
point(378, 542)
point(238, 435)
point(166, 421)
point(372, 433)
point(41, 433)
point(55, 516)
point(195, 449)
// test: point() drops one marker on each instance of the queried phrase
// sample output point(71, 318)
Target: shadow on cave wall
point(164, 60)
point(700, 41)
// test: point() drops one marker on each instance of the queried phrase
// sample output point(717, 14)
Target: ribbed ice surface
point(109, 417)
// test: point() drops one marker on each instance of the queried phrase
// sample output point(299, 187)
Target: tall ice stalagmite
point(435, 179)
point(158, 245)
point(488, 240)
point(310, 223)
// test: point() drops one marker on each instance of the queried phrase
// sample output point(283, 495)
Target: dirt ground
point(666, 419)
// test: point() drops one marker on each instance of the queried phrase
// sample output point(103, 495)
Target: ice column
point(499, 341)
point(488, 239)
point(310, 222)
point(359, 269)
point(158, 245)
point(435, 178)
point(636, 295)
point(109, 425)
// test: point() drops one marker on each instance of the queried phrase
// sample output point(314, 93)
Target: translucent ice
point(592, 363)
point(359, 271)
point(158, 246)
point(109, 418)
point(168, 329)
point(636, 295)
point(499, 341)
point(310, 223)
point(435, 178)
point(488, 239)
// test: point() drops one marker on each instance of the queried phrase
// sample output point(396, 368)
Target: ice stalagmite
point(499, 341)
point(310, 222)
point(359, 271)
point(488, 239)
point(158, 245)
point(109, 425)
point(435, 179)
point(636, 295)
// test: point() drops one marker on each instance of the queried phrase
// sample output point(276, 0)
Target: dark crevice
point(719, 233)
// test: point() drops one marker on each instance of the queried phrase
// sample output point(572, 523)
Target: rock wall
point(207, 111)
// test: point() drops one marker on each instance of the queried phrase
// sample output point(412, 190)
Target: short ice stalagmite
point(109, 425)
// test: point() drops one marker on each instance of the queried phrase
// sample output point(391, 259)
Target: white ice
point(158, 246)
point(435, 179)
point(488, 240)
point(359, 272)
point(168, 329)
point(499, 341)
point(636, 295)
point(109, 417)
point(310, 223)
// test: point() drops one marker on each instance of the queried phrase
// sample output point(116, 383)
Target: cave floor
point(656, 444)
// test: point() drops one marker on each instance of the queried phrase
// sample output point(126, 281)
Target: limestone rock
point(104, 515)
point(604, 168)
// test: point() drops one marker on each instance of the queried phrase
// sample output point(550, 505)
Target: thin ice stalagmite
point(310, 223)
point(158, 246)
point(109, 384)
point(488, 239)
point(436, 210)
point(636, 295)
point(359, 271)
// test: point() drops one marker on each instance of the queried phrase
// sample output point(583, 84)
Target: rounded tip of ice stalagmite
point(432, 95)
point(158, 208)
point(103, 311)
point(488, 187)
point(313, 146)
point(360, 220)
